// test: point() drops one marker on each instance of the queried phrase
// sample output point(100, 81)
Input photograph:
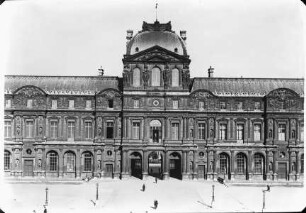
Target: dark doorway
point(155, 164)
point(28, 168)
point(175, 166)
point(136, 165)
point(201, 172)
point(282, 170)
point(109, 170)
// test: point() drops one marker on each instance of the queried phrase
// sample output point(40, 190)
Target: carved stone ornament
point(29, 92)
point(145, 77)
point(200, 95)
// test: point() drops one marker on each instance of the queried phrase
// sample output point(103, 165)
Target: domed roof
point(156, 34)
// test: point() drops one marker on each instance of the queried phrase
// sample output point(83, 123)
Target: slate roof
point(247, 86)
point(61, 85)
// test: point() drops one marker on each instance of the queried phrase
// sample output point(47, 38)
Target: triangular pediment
point(156, 54)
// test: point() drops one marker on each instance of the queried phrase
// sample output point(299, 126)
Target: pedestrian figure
point(155, 179)
point(155, 204)
point(143, 187)
point(45, 210)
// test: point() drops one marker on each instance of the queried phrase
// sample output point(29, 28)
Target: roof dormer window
point(136, 49)
point(175, 50)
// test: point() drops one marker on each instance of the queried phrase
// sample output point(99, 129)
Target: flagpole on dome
point(156, 10)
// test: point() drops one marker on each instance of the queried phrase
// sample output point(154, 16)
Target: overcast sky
point(249, 38)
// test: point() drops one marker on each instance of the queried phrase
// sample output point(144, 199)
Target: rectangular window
point(239, 105)
point(241, 165)
point(201, 105)
point(257, 105)
point(54, 104)
point(175, 104)
point(110, 129)
point(87, 162)
point(53, 129)
point(88, 104)
point(7, 129)
point(71, 104)
point(175, 131)
point(240, 132)
point(88, 130)
point(71, 129)
point(29, 129)
point(110, 104)
point(257, 132)
point(281, 132)
point(136, 104)
point(29, 103)
point(7, 159)
point(53, 162)
point(223, 132)
point(135, 133)
point(8, 103)
point(201, 131)
point(222, 105)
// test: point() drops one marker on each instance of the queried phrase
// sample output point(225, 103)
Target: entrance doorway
point(136, 165)
point(155, 164)
point(282, 170)
point(28, 168)
point(175, 165)
point(109, 170)
point(201, 172)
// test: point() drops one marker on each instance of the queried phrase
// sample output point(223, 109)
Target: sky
point(249, 38)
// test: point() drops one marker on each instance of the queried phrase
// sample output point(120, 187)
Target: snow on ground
point(126, 196)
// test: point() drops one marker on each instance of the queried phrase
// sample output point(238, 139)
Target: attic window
point(136, 49)
point(175, 50)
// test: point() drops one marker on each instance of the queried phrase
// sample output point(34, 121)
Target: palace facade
point(154, 121)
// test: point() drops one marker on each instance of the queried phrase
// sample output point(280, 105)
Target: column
point(267, 172)
point(195, 166)
point(250, 169)
point(166, 166)
point(145, 164)
point(215, 165)
point(78, 164)
point(124, 127)
point(124, 164)
point(297, 164)
point(61, 163)
point(185, 176)
point(232, 165)
point(274, 166)
point(116, 161)
point(290, 167)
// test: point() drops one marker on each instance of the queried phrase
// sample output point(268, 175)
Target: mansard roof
point(62, 85)
point(247, 86)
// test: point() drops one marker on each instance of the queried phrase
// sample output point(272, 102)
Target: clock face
point(155, 102)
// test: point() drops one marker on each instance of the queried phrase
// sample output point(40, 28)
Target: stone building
point(154, 121)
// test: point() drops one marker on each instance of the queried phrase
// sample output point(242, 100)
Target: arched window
point(302, 163)
point(155, 76)
point(155, 131)
point(69, 162)
point(136, 77)
point(53, 161)
point(7, 160)
point(258, 163)
point(241, 163)
point(175, 77)
point(87, 162)
point(224, 163)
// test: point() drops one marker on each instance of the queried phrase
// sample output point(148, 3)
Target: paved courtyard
point(126, 196)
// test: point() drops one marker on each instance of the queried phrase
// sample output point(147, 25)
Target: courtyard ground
point(126, 196)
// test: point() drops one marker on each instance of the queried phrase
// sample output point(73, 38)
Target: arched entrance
point(155, 131)
point(136, 165)
point(224, 163)
point(175, 165)
point(155, 162)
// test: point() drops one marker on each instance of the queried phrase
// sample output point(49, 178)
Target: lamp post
point(213, 195)
point(97, 191)
point(46, 202)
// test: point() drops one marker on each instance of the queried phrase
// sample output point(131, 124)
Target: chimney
point(129, 34)
point(210, 72)
point(183, 34)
